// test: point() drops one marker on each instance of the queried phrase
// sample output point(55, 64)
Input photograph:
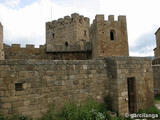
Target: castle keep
point(77, 62)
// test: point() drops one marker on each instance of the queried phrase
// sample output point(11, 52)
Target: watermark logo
point(141, 115)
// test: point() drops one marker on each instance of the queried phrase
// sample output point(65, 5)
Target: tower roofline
point(157, 30)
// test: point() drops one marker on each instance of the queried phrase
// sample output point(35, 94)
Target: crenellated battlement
point(111, 18)
point(28, 46)
point(67, 20)
point(109, 37)
point(66, 32)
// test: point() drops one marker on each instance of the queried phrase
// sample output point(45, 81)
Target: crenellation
point(75, 16)
point(60, 35)
point(122, 18)
point(16, 46)
point(111, 18)
point(99, 18)
point(29, 46)
point(112, 38)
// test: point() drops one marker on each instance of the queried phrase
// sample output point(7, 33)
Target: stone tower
point(157, 49)
point(68, 34)
point(1, 43)
point(109, 38)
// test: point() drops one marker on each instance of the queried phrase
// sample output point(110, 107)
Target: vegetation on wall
point(90, 110)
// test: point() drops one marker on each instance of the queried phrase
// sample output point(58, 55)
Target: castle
point(78, 61)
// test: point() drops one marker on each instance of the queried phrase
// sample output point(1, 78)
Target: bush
point(151, 110)
point(91, 110)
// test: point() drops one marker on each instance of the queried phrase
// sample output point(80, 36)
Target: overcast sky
point(24, 20)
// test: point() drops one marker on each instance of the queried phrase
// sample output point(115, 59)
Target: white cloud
point(27, 25)
point(11, 3)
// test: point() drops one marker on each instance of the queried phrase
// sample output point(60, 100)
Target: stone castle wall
point(29, 86)
point(109, 38)
point(120, 70)
point(30, 52)
point(68, 34)
point(157, 49)
point(1, 43)
point(156, 75)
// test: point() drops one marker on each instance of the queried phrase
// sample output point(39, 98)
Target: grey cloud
point(144, 44)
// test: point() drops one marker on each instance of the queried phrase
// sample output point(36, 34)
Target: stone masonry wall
point(122, 68)
point(29, 86)
point(68, 34)
point(1, 43)
point(157, 49)
point(30, 52)
point(100, 34)
point(156, 74)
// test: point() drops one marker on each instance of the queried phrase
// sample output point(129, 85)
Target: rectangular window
point(19, 86)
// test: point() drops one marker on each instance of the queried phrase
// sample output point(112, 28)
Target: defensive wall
point(15, 51)
point(28, 87)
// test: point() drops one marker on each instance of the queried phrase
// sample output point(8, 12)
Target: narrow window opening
point(85, 33)
point(53, 35)
point(112, 35)
point(66, 44)
point(19, 86)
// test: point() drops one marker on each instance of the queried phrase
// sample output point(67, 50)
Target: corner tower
point(68, 34)
point(1, 43)
point(109, 38)
point(157, 49)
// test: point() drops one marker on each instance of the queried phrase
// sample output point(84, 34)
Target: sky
point(24, 20)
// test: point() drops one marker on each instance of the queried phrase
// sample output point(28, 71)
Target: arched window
point(112, 35)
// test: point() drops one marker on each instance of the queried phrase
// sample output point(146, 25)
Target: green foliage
point(151, 110)
point(91, 110)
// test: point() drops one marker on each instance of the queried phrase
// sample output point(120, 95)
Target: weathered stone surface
point(122, 68)
point(33, 78)
point(47, 82)
point(1, 43)
point(109, 38)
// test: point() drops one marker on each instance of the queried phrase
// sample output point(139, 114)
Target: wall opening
point(112, 35)
point(66, 44)
point(53, 35)
point(131, 94)
point(19, 86)
point(85, 33)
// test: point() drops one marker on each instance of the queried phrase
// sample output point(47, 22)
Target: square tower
point(68, 34)
point(157, 49)
point(1, 43)
point(109, 38)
